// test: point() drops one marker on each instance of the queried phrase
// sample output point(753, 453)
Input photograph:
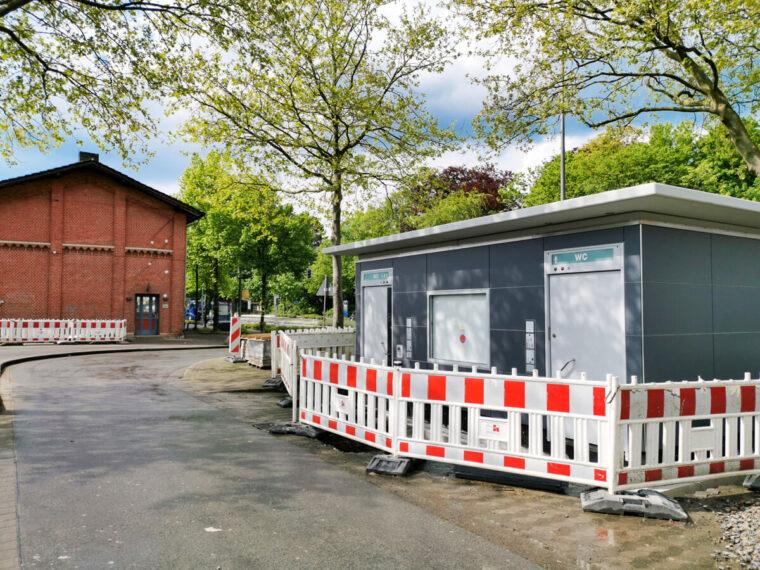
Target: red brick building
point(86, 241)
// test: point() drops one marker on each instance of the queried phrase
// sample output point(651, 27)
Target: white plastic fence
point(686, 430)
point(59, 330)
point(287, 347)
point(588, 432)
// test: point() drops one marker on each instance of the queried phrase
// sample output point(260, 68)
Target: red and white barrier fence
point(14, 331)
point(589, 432)
point(234, 338)
point(287, 347)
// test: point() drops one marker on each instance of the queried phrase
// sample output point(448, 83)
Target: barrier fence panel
point(352, 399)
point(687, 430)
point(52, 330)
point(555, 429)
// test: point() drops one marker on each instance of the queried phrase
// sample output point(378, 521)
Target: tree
point(671, 154)
point(321, 93)
point(96, 62)
point(246, 228)
point(608, 61)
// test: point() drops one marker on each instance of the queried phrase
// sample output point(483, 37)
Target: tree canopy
point(93, 64)
point(321, 93)
point(671, 154)
point(606, 61)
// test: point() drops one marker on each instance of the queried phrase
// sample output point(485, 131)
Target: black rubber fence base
point(642, 503)
point(390, 465)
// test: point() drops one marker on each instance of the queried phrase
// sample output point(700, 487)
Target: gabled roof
point(652, 198)
point(94, 165)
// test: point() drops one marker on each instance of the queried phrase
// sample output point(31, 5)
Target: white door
point(375, 323)
point(587, 325)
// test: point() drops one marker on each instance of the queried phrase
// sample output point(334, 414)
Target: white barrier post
point(234, 342)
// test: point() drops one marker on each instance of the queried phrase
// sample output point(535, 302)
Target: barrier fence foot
point(389, 465)
point(234, 359)
point(294, 429)
point(273, 383)
point(286, 402)
point(642, 502)
point(752, 482)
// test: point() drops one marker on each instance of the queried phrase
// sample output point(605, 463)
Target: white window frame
point(430, 295)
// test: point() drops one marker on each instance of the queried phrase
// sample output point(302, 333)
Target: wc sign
point(584, 259)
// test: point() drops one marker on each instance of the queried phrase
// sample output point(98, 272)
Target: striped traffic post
point(234, 344)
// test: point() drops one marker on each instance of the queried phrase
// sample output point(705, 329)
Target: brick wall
point(96, 244)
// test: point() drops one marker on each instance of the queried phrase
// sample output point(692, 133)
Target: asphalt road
point(118, 467)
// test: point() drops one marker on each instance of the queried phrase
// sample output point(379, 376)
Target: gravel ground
point(740, 533)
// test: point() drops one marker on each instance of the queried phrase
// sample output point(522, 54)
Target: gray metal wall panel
point(458, 269)
point(701, 302)
point(515, 276)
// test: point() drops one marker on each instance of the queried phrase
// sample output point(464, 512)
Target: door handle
point(566, 364)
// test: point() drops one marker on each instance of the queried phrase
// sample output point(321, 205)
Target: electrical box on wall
point(530, 346)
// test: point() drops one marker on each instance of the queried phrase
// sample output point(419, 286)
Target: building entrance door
point(586, 331)
point(375, 315)
point(146, 315)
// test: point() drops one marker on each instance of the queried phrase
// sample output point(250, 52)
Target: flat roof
point(654, 198)
point(94, 164)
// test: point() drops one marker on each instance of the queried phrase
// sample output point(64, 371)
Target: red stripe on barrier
point(600, 403)
point(514, 394)
point(351, 376)
point(717, 467)
point(688, 401)
point(748, 398)
point(436, 387)
point(388, 442)
point(351, 430)
point(435, 451)
point(332, 424)
point(600, 475)
point(389, 383)
point(303, 415)
point(625, 405)
point(369, 436)
point(558, 468)
point(746, 464)
point(47, 325)
point(406, 385)
point(514, 462)
point(303, 367)
point(473, 456)
point(558, 398)
point(718, 400)
point(333, 373)
point(622, 478)
point(315, 418)
point(655, 403)
point(317, 370)
point(652, 475)
point(473, 391)
point(371, 380)
point(403, 447)
point(685, 471)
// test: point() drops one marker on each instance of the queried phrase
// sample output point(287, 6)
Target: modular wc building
point(652, 281)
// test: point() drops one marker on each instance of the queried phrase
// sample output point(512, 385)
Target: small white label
point(342, 404)
point(494, 429)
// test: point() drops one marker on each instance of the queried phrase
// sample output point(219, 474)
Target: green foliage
point(452, 208)
point(323, 91)
point(93, 64)
point(670, 154)
point(246, 230)
point(606, 61)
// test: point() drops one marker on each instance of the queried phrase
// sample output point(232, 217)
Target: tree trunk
point(197, 298)
point(240, 293)
point(215, 325)
point(737, 132)
point(263, 300)
point(337, 267)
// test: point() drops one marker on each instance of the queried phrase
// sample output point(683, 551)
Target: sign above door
point(597, 258)
point(377, 277)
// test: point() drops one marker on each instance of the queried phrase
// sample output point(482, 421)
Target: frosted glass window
point(459, 328)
